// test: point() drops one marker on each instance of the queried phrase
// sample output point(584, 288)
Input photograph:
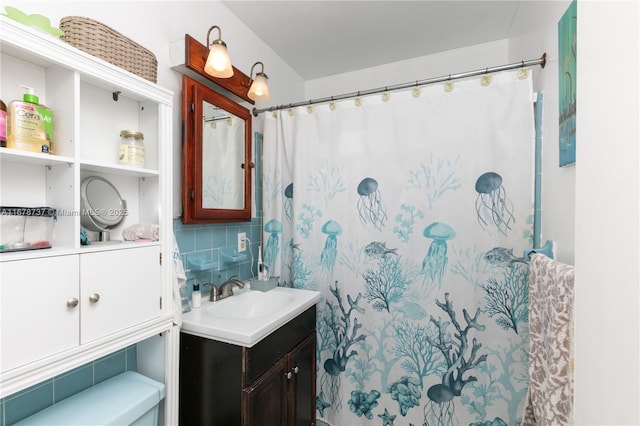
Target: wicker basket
point(105, 43)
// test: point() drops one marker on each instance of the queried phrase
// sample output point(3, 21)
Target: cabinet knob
point(289, 375)
point(295, 370)
point(94, 298)
point(72, 303)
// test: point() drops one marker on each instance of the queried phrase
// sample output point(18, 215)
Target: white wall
point(441, 64)
point(607, 214)
point(155, 24)
point(594, 204)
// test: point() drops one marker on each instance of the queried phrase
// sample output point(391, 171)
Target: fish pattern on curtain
point(409, 212)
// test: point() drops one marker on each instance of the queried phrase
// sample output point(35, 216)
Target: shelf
point(33, 158)
point(93, 166)
point(116, 245)
point(203, 264)
point(231, 255)
point(36, 254)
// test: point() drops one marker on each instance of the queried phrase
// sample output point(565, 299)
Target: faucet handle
point(215, 293)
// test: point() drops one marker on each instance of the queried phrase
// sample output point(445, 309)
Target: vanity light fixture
point(218, 62)
point(259, 90)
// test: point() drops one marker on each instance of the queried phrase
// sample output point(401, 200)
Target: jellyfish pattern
point(492, 204)
point(288, 202)
point(328, 256)
point(272, 248)
point(370, 206)
point(435, 261)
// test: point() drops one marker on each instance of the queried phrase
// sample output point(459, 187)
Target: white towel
point(550, 396)
point(179, 282)
point(142, 231)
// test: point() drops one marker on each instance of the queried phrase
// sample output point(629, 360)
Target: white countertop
point(249, 315)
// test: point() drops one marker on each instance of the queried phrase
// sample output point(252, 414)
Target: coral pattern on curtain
point(409, 211)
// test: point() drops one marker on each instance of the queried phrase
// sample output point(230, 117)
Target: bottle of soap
point(29, 124)
point(196, 297)
point(3, 124)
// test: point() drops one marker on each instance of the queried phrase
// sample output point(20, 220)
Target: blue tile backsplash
point(206, 245)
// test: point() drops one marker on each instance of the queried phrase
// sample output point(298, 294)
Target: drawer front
point(267, 352)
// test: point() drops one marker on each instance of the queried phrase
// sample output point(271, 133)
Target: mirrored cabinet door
point(216, 156)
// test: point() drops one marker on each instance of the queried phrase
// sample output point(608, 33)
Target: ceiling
point(322, 38)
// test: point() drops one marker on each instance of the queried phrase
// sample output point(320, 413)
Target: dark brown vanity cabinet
point(269, 384)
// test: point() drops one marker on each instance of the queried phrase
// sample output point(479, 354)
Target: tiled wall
point(22, 404)
point(208, 241)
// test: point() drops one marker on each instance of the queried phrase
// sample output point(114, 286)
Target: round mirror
point(102, 206)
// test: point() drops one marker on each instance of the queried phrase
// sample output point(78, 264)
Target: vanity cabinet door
point(119, 289)
point(303, 392)
point(265, 402)
point(284, 395)
point(39, 309)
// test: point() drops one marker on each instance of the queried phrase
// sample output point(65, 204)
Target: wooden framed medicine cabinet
point(216, 156)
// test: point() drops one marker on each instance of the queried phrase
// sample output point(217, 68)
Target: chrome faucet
point(225, 289)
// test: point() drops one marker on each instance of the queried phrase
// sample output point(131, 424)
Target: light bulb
point(218, 62)
point(259, 90)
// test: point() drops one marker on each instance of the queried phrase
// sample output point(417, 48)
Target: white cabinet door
point(119, 289)
point(39, 310)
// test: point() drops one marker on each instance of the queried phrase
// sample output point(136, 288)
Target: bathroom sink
point(249, 315)
point(248, 305)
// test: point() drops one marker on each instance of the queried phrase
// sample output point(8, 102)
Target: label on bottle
point(131, 154)
point(3, 128)
point(27, 128)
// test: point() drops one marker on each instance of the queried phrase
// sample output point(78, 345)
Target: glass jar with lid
point(131, 148)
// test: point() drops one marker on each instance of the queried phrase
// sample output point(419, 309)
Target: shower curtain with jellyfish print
point(410, 212)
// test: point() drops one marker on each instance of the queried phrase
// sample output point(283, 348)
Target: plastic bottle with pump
point(3, 124)
point(29, 124)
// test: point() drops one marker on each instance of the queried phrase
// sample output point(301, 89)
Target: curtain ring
point(332, 104)
point(357, 100)
point(385, 95)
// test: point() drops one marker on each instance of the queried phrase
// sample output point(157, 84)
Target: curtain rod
point(541, 61)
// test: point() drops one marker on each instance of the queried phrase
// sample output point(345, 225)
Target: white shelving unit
point(49, 319)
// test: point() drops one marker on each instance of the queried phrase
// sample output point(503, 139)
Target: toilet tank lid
point(119, 400)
